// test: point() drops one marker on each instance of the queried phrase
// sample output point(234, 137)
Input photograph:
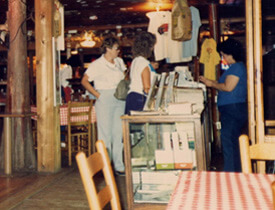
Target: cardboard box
point(164, 159)
point(182, 153)
point(183, 159)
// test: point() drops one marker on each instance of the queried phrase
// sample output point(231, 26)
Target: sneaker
point(120, 173)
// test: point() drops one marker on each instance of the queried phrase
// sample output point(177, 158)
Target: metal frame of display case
point(201, 147)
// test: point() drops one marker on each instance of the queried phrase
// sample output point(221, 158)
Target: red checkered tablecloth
point(204, 190)
point(64, 113)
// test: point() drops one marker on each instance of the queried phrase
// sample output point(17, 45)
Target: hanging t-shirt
point(165, 47)
point(210, 58)
point(190, 47)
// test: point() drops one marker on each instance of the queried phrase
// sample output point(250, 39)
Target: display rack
point(142, 137)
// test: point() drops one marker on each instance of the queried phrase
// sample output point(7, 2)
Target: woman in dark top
point(232, 101)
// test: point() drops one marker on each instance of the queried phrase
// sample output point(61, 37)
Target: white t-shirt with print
point(165, 47)
point(106, 75)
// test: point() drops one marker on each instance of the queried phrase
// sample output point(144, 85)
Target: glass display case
point(156, 149)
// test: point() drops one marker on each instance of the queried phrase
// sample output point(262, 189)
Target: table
point(222, 190)
point(64, 113)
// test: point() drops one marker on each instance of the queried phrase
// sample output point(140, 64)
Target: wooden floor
point(63, 190)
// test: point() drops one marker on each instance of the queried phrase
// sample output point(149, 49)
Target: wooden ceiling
point(104, 15)
point(107, 14)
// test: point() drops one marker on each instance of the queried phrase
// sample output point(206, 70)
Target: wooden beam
point(48, 125)
point(250, 71)
point(257, 19)
point(214, 33)
point(18, 92)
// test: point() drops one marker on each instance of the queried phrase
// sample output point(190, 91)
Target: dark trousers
point(135, 102)
point(234, 118)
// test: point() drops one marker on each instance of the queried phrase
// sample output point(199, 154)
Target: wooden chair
point(79, 133)
point(88, 167)
point(273, 193)
point(260, 152)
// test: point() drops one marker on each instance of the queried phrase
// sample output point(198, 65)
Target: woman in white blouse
point(106, 72)
point(140, 73)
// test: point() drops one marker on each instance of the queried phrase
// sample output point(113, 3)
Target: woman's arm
point(146, 80)
point(230, 83)
point(85, 82)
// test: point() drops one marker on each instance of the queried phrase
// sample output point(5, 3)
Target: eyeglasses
point(116, 48)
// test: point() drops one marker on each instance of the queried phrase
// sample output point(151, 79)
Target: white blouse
point(137, 67)
point(106, 75)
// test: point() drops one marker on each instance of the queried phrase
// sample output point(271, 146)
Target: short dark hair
point(108, 42)
point(143, 44)
point(232, 47)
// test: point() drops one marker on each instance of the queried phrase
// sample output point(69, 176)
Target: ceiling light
point(74, 52)
point(87, 43)
point(72, 31)
point(93, 17)
point(88, 40)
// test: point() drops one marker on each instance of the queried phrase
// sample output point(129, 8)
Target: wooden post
point(48, 125)
point(18, 92)
point(258, 66)
point(213, 22)
point(250, 70)
point(214, 33)
point(257, 19)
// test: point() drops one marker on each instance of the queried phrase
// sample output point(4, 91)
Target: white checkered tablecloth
point(204, 190)
point(64, 113)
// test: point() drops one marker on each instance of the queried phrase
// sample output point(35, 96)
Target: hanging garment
point(210, 58)
point(190, 47)
point(165, 48)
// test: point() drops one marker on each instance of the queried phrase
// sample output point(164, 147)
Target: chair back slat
point(104, 196)
point(260, 151)
point(80, 111)
point(95, 163)
point(263, 151)
point(91, 165)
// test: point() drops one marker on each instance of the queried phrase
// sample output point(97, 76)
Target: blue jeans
point(234, 118)
point(135, 102)
point(109, 125)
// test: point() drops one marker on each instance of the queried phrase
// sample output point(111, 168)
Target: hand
point(207, 82)
point(97, 95)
